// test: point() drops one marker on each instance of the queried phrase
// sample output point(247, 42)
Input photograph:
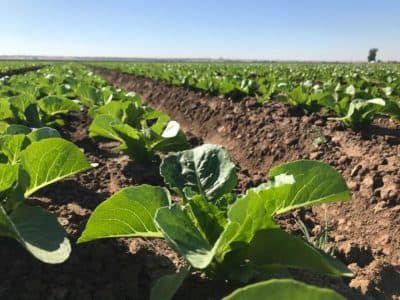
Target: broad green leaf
point(3, 126)
point(19, 104)
point(115, 109)
point(277, 248)
point(298, 96)
point(249, 211)
point(8, 176)
point(38, 231)
point(25, 109)
point(183, 236)
point(246, 216)
point(314, 183)
point(162, 121)
point(5, 110)
point(210, 220)
point(236, 267)
point(166, 286)
point(128, 213)
point(48, 161)
point(283, 289)
point(43, 133)
point(53, 105)
point(125, 111)
point(103, 125)
point(327, 100)
point(88, 95)
point(206, 170)
point(134, 143)
point(292, 185)
point(361, 112)
point(12, 145)
point(392, 109)
point(224, 242)
point(17, 129)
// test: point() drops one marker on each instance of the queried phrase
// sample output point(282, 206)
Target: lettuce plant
point(361, 112)
point(142, 132)
point(230, 237)
point(27, 110)
point(16, 138)
point(94, 97)
point(32, 160)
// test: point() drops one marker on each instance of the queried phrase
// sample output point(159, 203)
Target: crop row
point(354, 94)
point(227, 236)
point(7, 67)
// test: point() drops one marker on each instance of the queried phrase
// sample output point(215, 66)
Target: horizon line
point(194, 59)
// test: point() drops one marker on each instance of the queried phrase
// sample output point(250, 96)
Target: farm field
point(130, 184)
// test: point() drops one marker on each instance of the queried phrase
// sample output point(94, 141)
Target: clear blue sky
point(269, 29)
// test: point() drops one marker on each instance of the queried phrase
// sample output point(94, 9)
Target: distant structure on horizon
point(372, 55)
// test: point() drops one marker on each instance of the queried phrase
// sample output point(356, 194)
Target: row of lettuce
point(352, 93)
point(10, 67)
point(231, 237)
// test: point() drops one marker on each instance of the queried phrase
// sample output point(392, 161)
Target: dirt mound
point(364, 232)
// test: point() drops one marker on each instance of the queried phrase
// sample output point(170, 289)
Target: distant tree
point(372, 54)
